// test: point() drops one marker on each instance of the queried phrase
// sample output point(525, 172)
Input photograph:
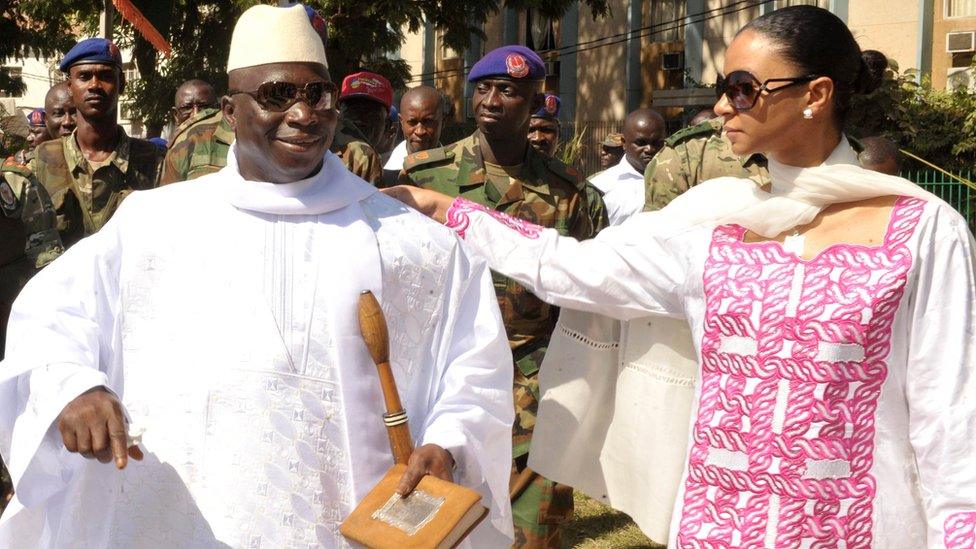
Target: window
point(960, 8)
point(131, 72)
point(540, 31)
point(667, 21)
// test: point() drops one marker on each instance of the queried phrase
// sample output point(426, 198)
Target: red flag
point(145, 28)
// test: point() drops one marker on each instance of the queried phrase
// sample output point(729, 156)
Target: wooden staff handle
point(372, 324)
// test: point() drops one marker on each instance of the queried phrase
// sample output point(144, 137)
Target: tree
point(938, 125)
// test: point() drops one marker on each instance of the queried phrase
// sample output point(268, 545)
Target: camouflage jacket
point(198, 147)
point(83, 199)
point(358, 156)
point(693, 155)
point(28, 233)
point(545, 191)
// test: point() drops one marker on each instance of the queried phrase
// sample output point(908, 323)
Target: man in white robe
point(231, 340)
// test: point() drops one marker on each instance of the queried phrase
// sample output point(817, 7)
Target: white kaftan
point(833, 406)
point(623, 190)
point(232, 337)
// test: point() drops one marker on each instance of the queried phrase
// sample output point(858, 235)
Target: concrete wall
point(412, 51)
point(941, 60)
point(889, 26)
point(601, 73)
point(718, 34)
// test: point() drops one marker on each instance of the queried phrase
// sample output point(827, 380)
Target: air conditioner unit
point(961, 78)
point(674, 61)
point(961, 42)
point(552, 68)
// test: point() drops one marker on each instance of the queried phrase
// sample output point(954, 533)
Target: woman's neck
point(809, 149)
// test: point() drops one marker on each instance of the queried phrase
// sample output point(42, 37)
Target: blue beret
point(36, 118)
point(550, 108)
point(511, 62)
point(92, 50)
point(158, 141)
point(394, 114)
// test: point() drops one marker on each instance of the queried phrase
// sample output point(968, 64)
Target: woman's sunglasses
point(280, 96)
point(743, 89)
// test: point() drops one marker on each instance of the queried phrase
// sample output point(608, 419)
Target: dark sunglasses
point(743, 89)
point(280, 96)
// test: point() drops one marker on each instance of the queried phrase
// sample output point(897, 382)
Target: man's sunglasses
point(280, 96)
point(743, 89)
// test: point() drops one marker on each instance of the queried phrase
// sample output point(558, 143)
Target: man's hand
point(429, 459)
point(93, 425)
point(430, 203)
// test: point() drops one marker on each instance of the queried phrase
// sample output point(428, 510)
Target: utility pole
point(106, 21)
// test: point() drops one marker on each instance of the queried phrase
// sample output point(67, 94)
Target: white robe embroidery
point(231, 335)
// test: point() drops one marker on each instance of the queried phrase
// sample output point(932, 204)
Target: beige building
point(665, 54)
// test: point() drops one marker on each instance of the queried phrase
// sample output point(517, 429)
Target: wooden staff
point(373, 327)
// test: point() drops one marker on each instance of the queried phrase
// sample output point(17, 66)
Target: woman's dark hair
point(820, 43)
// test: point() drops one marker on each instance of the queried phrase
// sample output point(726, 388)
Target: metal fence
point(953, 191)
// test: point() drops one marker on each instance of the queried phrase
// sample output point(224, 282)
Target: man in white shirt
point(623, 184)
point(232, 342)
point(421, 118)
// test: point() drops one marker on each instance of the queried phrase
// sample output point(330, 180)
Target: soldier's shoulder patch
point(426, 158)
point(12, 165)
point(705, 129)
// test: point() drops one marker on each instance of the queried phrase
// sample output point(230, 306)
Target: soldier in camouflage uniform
point(539, 189)
point(28, 241)
point(699, 153)
point(89, 173)
point(696, 154)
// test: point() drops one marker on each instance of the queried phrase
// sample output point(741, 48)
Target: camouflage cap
point(613, 140)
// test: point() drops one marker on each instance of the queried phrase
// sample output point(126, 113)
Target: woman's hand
point(430, 203)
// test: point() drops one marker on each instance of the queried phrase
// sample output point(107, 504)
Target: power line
point(637, 33)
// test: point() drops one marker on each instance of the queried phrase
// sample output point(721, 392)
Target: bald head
point(644, 133)
point(191, 97)
point(60, 111)
point(880, 154)
point(421, 118)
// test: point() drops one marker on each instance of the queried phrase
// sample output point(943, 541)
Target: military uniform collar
point(205, 113)
point(533, 166)
point(224, 133)
point(77, 161)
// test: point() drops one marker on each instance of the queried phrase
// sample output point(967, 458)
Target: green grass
point(596, 525)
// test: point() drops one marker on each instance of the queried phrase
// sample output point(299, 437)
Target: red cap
point(367, 84)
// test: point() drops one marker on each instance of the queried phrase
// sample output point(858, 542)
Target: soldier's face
point(95, 89)
point(774, 124)
point(544, 135)
point(191, 99)
point(610, 156)
point(278, 147)
point(60, 118)
point(502, 107)
point(421, 121)
point(36, 136)
point(367, 115)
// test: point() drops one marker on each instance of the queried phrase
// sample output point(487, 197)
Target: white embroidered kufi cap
point(267, 34)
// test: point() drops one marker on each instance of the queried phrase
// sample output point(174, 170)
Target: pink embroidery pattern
point(793, 360)
point(960, 530)
point(458, 218)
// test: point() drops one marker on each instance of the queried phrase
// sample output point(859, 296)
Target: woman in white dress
point(834, 314)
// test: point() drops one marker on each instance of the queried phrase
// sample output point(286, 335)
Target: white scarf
point(796, 197)
point(331, 188)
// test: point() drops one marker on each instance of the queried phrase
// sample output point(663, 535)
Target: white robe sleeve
point(59, 345)
point(941, 380)
point(473, 411)
point(627, 271)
